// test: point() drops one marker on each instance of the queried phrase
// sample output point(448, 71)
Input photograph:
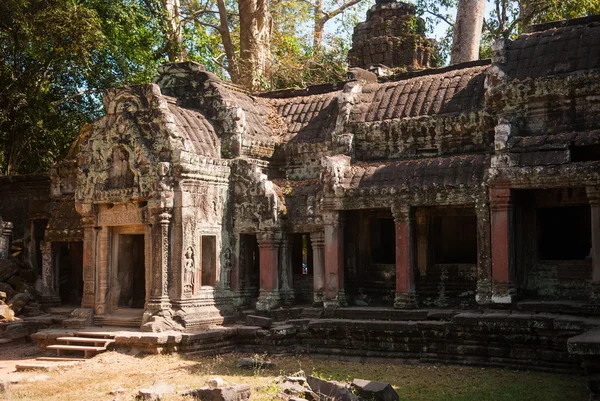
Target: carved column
point(269, 297)
point(593, 194)
point(103, 257)
point(406, 296)
point(502, 233)
point(333, 231)
point(286, 291)
point(5, 239)
point(484, 251)
point(159, 294)
point(317, 239)
point(89, 262)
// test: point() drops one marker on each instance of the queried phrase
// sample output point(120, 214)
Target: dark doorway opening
point(564, 233)
point(131, 271)
point(370, 256)
point(249, 275)
point(446, 256)
point(302, 268)
point(68, 270)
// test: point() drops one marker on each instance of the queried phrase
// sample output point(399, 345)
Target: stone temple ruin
point(474, 186)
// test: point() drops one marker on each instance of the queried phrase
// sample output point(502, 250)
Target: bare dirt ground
point(117, 376)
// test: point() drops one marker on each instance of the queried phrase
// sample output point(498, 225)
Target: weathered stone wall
point(23, 198)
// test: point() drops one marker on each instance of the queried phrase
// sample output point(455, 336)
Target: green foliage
point(42, 46)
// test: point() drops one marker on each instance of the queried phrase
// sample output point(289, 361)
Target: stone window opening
point(209, 260)
point(564, 233)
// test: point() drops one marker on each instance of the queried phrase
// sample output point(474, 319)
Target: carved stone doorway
point(128, 289)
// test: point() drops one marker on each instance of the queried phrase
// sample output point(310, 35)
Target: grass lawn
point(96, 378)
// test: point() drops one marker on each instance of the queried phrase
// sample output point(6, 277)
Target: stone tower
point(394, 36)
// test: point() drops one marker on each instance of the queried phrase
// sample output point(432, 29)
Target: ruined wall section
point(546, 81)
point(426, 116)
point(393, 36)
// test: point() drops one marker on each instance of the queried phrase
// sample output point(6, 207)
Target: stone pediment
point(120, 153)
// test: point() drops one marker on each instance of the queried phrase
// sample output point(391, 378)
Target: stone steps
point(90, 343)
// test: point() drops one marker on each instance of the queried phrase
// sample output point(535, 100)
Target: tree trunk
point(467, 31)
point(320, 21)
point(255, 40)
point(232, 65)
point(175, 49)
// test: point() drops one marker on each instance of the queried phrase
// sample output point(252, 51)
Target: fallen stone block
point(254, 363)
point(328, 391)
point(371, 390)
point(18, 302)
point(15, 331)
point(260, 321)
point(4, 386)
point(158, 390)
point(216, 382)
point(240, 392)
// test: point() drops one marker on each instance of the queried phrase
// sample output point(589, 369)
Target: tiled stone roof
point(196, 130)
point(308, 118)
point(556, 48)
point(454, 91)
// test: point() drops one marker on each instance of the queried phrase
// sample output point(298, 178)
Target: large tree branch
point(440, 16)
point(226, 39)
point(331, 14)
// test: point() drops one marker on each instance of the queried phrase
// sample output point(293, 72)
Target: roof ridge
point(561, 24)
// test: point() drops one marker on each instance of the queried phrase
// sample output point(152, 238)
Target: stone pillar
point(49, 296)
point(502, 245)
point(317, 239)
point(103, 257)
point(333, 232)
point(269, 244)
point(286, 292)
point(484, 251)
point(406, 296)
point(5, 235)
point(593, 194)
point(159, 293)
point(89, 263)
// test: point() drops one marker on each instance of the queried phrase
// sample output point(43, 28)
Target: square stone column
point(286, 292)
point(159, 293)
point(334, 259)
point(269, 244)
point(406, 296)
point(49, 296)
point(317, 240)
point(593, 194)
point(103, 260)
point(5, 234)
point(503, 258)
point(483, 293)
point(89, 262)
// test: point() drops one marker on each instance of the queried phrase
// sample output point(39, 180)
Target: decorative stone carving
point(189, 271)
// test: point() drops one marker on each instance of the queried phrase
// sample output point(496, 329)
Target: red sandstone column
point(405, 270)
point(334, 259)
point(89, 262)
point(593, 194)
point(269, 244)
point(317, 239)
point(502, 245)
point(102, 258)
